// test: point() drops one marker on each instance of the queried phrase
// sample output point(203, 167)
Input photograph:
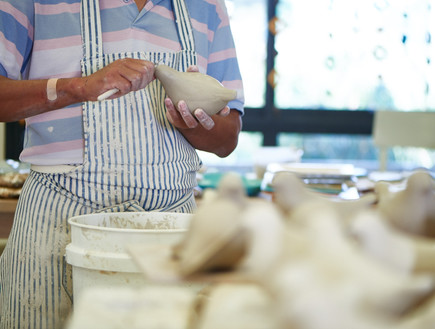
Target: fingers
point(138, 73)
point(126, 75)
point(193, 68)
point(204, 119)
point(186, 115)
point(171, 113)
point(225, 111)
point(182, 118)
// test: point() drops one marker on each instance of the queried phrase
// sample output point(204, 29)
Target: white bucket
point(98, 252)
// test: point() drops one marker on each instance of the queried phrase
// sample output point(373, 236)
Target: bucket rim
point(72, 223)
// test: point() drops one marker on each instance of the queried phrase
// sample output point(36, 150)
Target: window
point(248, 23)
point(354, 54)
point(315, 70)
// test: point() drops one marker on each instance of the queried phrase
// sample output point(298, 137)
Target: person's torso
point(54, 49)
point(56, 137)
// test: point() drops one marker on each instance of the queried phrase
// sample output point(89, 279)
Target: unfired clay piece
point(215, 239)
point(230, 231)
point(334, 271)
point(198, 90)
point(320, 273)
point(412, 208)
point(237, 306)
point(406, 253)
point(290, 192)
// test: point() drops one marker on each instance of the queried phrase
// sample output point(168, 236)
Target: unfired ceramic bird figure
point(422, 318)
point(231, 187)
point(334, 268)
point(215, 239)
point(290, 192)
point(404, 252)
point(412, 208)
point(198, 90)
point(265, 228)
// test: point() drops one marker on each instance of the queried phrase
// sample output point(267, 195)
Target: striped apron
point(134, 160)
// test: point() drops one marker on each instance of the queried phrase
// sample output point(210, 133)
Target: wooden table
point(7, 211)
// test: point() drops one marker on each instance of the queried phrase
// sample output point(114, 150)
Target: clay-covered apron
point(129, 140)
point(134, 160)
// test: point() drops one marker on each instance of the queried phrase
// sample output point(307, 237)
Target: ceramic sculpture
point(406, 253)
point(232, 232)
point(333, 275)
point(264, 227)
point(290, 192)
point(412, 208)
point(215, 239)
point(198, 90)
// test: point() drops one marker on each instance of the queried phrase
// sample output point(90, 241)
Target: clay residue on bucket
point(168, 222)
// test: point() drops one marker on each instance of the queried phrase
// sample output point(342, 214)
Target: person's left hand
point(182, 118)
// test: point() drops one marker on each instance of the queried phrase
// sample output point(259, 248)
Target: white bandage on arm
point(51, 89)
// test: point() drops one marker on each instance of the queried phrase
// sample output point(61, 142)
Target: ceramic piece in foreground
point(411, 209)
point(290, 193)
point(404, 252)
point(332, 278)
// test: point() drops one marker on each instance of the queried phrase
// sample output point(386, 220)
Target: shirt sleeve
point(211, 18)
point(16, 37)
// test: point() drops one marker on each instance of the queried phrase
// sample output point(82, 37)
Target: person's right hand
point(125, 74)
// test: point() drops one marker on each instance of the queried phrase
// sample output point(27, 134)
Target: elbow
point(229, 146)
point(227, 149)
point(232, 138)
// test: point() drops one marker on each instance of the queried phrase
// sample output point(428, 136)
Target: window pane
point(242, 157)
point(331, 147)
point(355, 54)
point(356, 149)
point(249, 27)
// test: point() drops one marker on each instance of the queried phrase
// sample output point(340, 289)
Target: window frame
point(271, 121)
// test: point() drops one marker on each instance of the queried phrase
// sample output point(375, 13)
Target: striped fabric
point(30, 265)
point(41, 39)
point(35, 282)
point(129, 140)
point(133, 160)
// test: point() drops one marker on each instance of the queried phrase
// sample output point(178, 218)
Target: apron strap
point(184, 25)
point(92, 36)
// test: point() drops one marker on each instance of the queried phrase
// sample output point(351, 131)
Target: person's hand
point(181, 117)
point(125, 74)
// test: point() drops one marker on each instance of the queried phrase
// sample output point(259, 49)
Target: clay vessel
point(198, 90)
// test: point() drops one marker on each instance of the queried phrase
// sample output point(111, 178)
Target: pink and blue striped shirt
point(41, 39)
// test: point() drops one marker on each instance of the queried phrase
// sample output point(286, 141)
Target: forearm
point(221, 139)
point(20, 99)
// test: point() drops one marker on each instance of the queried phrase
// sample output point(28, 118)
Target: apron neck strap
point(92, 36)
point(184, 25)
